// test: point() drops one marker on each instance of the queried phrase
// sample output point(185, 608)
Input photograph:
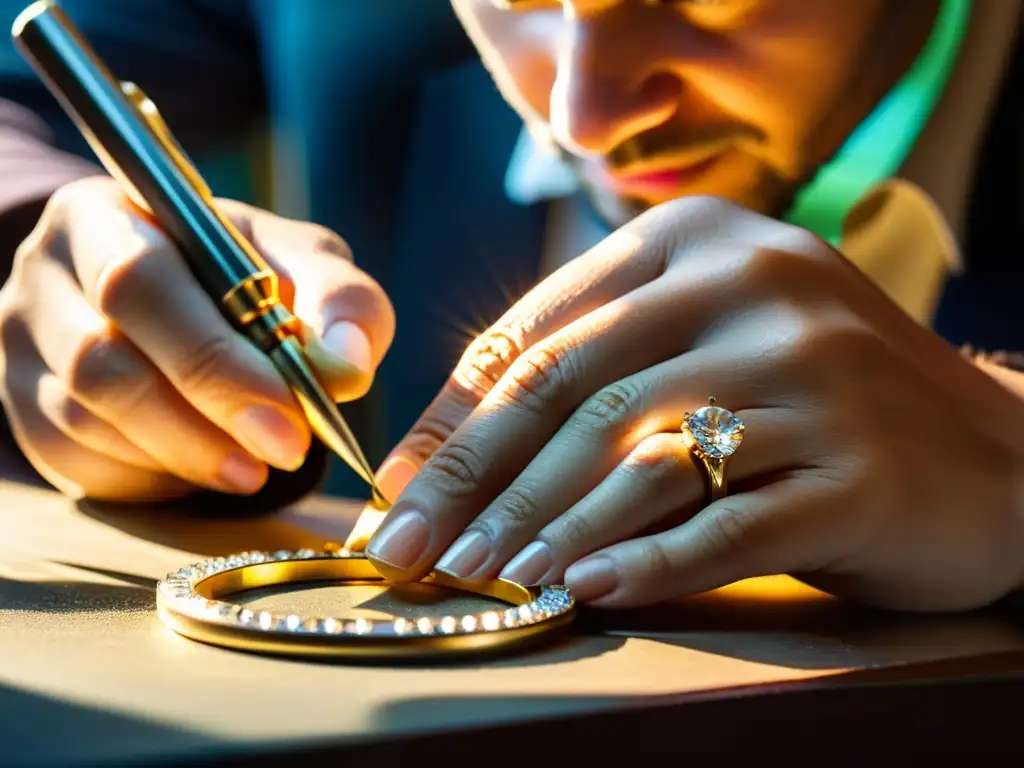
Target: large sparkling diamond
point(716, 431)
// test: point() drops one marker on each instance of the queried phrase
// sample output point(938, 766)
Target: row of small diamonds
point(179, 588)
point(216, 565)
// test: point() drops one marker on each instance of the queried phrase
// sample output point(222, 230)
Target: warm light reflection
point(563, 297)
point(770, 589)
point(367, 523)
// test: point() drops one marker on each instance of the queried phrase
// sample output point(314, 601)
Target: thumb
point(348, 321)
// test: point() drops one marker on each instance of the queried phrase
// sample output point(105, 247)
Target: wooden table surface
point(88, 674)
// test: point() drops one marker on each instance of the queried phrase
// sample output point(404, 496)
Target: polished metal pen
point(126, 132)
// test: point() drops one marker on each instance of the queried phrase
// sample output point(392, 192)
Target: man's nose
point(607, 88)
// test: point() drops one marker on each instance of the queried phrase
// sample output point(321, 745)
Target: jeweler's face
point(655, 99)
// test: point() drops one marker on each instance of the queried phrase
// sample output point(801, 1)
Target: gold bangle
point(188, 602)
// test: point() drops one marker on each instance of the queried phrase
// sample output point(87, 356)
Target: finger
point(707, 241)
point(597, 437)
point(784, 527)
point(656, 482)
point(522, 413)
point(106, 373)
point(83, 426)
point(611, 269)
point(130, 272)
point(70, 465)
point(484, 453)
point(349, 320)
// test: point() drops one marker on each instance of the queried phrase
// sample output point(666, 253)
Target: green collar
point(878, 147)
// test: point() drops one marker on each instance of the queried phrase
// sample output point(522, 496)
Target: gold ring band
point(712, 434)
point(188, 601)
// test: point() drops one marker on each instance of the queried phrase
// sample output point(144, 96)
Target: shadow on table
point(788, 626)
point(811, 635)
point(64, 597)
point(210, 536)
point(829, 719)
point(43, 730)
point(808, 630)
point(135, 595)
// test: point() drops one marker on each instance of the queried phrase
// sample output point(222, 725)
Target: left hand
point(877, 463)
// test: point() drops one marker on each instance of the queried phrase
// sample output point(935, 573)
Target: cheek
point(519, 49)
point(786, 74)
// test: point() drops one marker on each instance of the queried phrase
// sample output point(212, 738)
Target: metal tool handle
point(127, 133)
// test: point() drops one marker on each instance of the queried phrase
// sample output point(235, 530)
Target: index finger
point(616, 266)
point(132, 273)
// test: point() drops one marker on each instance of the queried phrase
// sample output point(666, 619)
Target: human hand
point(122, 380)
point(876, 462)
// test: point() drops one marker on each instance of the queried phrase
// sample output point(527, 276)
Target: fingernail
point(402, 541)
point(272, 436)
point(530, 565)
point(348, 341)
point(466, 555)
point(395, 475)
point(590, 579)
point(242, 474)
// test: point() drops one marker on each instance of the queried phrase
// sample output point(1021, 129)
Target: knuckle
point(572, 532)
point(825, 349)
point(426, 437)
point(516, 507)
point(728, 530)
point(800, 338)
point(207, 367)
point(73, 415)
point(785, 256)
point(130, 275)
point(65, 195)
point(488, 358)
point(106, 369)
point(356, 292)
point(696, 206)
point(678, 226)
point(652, 560)
point(328, 241)
point(90, 186)
point(71, 200)
point(611, 409)
point(29, 250)
point(456, 466)
point(542, 376)
point(762, 265)
point(658, 464)
point(798, 242)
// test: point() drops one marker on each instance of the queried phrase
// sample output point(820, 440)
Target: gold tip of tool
point(322, 413)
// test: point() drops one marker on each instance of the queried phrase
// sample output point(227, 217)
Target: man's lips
point(662, 179)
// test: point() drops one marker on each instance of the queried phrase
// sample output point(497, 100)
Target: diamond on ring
point(715, 432)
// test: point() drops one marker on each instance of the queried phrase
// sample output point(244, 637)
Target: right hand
point(122, 380)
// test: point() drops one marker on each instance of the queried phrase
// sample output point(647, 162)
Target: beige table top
point(87, 669)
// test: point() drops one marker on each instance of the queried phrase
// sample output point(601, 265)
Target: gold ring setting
point(188, 601)
point(712, 434)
